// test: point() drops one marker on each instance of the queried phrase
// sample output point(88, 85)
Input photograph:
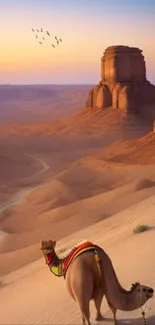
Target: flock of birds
point(39, 35)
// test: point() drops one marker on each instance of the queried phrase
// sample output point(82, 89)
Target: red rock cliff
point(123, 82)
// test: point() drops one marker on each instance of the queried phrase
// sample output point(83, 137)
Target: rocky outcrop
point(123, 82)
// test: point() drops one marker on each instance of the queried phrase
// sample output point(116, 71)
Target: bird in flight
point(58, 40)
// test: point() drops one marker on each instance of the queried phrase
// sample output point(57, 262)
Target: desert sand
point(86, 175)
point(42, 298)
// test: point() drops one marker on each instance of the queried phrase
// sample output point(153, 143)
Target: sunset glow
point(86, 27)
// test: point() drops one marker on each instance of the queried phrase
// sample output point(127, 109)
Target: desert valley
point(73, 168)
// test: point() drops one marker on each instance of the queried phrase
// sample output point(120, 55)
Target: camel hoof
point(99, 317)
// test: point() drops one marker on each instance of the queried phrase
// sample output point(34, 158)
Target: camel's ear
point(42, 243)
point(54, 243)
point(132, 286)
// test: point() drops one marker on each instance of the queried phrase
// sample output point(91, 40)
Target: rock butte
point(123, 82)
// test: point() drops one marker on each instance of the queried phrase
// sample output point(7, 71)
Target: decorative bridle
point(143, 316)
point(134, 285)
point(143, 313)
point(48, 254)
point(51, 261)
point(60, 269)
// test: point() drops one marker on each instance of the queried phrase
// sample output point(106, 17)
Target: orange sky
point(86, 30)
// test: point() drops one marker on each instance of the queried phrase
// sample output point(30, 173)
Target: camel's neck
point(54, 262)
point(122, 300)
point(115, 294)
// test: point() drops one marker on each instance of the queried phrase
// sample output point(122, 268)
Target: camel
point(89, 278)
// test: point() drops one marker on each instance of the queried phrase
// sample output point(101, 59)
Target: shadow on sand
point(137, 321)
point(128, 321)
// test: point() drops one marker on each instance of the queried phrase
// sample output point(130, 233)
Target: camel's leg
point(114, 310)
point(81, 283)
point(85, 314)
point(86, 318)
point(83, 320)
point(98, 300)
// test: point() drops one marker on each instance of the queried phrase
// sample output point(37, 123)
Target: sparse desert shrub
point(140, 228)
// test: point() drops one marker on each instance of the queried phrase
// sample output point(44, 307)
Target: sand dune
point(95, 179)
point(63, 142)
point(84, 193)
point(88, 122)
point(58, 210)
point(144, 183)
point(54, 190)
point(138, 151)
point(116, 237)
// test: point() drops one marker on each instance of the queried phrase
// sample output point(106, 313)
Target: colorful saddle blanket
point(76, 251)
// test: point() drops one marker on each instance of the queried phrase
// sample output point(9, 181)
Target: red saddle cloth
point(77, 250)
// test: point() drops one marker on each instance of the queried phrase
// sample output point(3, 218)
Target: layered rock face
point(123, 82)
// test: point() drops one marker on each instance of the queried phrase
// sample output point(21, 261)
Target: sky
point(86, 28)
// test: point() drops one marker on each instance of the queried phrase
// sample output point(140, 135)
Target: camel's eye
point(144, 290)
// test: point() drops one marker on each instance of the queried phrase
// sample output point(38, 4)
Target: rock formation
point(123, 82)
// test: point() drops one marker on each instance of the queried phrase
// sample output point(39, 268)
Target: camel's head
point(48, 245)
point(143, 293)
